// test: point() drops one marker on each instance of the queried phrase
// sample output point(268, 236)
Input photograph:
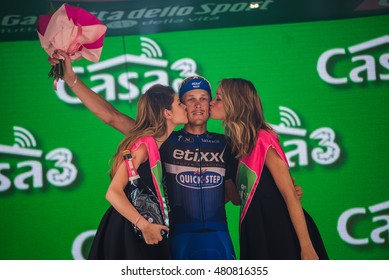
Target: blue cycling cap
point(194, 82)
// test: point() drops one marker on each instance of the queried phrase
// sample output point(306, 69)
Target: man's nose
point(197, 103)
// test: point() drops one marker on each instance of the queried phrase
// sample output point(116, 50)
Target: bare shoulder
point(273, 159)
point(140, 155)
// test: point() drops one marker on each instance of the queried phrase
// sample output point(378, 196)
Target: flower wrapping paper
point(74, 30)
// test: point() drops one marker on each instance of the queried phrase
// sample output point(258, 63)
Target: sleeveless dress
point(115, 238)
point(266, 230)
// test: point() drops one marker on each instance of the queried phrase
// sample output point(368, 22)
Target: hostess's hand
point(151, 232)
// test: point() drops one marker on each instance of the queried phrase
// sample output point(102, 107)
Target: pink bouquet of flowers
point(73, 30)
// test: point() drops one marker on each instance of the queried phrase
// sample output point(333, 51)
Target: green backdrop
point(324, 87)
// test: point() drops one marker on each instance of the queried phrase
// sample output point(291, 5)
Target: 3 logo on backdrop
point(28, 173)
point(326, 153)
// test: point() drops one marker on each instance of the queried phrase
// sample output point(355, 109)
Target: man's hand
point(298, 189)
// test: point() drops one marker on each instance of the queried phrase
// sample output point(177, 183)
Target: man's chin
point(197, 121)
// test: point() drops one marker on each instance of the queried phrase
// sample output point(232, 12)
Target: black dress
point(267, 232)
point(116, 240)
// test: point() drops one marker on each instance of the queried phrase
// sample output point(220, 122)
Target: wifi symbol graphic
point(290, 123)
point(24, 144)
point(289, 118)
point(151, 55)
point(150, 48)
point(23, 138)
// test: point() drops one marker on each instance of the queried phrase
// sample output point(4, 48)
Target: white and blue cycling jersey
point(195, 169)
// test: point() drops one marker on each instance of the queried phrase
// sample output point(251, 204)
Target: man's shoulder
point(215, 134)
point(215, 137)
point(173, 138)
point(175, 134)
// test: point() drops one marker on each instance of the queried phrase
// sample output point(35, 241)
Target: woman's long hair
point(150, 120)
point(244, 115)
